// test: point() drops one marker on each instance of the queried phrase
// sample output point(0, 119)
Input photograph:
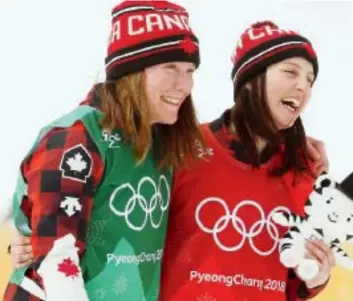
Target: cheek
point(273, 94)
point(303, 107)
point(279, 86)
point(276, 89)
point(154, 88)
point(191, 85)
point(308, 96)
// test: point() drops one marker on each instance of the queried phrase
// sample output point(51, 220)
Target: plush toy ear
point(349, 237)
point(347, 185)
point(324, 181)
point(308, 206)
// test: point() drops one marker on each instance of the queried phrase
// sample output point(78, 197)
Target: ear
point(347, 185)
point(349, 237)
point(324, 181)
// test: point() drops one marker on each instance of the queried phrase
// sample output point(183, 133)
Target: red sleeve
point(299, 187)
point(62, 175)
point(297, 290)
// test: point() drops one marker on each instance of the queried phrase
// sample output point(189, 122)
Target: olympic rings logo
point(155, 202)
point(264, 223)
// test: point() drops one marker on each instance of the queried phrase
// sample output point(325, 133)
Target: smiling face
point(288, 89)
point(167, 86)
point(331, 210)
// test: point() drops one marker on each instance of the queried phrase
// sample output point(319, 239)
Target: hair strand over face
point(252, 118)
point(124, 105)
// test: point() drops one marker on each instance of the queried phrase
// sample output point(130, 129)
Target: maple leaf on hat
point(188, 45)
point(68, 268)
point(159, 4)
point(165, 6)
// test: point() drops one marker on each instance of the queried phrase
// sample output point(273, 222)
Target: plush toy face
point(330, 209)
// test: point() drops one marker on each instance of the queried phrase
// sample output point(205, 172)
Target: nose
point(183, 82)
point(303, 85)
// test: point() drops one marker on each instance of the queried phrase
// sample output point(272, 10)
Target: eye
point(349, 219)
point(328, 201)
point(310, 81)
point(291, 71)
point(170, 67)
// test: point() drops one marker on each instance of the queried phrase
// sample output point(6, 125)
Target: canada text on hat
point(142, 29)
point(148, 22)
point(264, 44)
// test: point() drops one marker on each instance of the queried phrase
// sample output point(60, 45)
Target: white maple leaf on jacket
point(76, 163)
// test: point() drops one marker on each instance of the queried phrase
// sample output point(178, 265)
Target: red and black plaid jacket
point(47, 187)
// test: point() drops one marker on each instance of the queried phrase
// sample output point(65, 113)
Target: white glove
point(61, 274)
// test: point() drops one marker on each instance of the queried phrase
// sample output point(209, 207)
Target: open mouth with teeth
point(291, 104)
point(171, 100)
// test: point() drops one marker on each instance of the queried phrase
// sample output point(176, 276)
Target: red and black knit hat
point(264, 44)
point(147, 33)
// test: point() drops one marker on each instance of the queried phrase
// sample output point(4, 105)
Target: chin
point(284, 126)
point(168, 121)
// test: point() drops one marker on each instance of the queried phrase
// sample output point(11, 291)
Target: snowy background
point(52, 52)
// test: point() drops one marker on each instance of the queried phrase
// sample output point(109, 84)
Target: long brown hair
point(252, 118)
point(124, 106)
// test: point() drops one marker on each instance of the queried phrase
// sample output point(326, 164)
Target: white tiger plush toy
point(328, 216)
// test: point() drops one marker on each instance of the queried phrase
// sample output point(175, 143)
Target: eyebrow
point(298, 66)
point(170, 65)
point(175, 66)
